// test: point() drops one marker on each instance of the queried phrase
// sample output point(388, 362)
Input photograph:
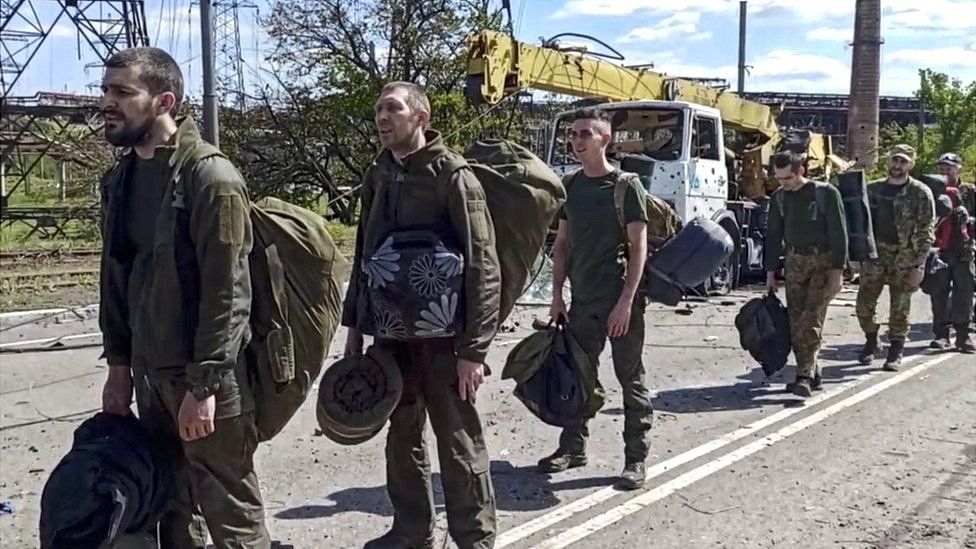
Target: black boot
point(895, 349)
point(964, 343)
point(870, 348)
point(941, 340)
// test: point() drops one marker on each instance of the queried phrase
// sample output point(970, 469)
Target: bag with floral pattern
point(414, 284)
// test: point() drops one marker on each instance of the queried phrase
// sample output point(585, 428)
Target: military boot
point(964, 343)
point(393, 540)
point(941, 340)
point(870, 349)
point(803, 387)
point(560, 461)
point(895, 349)
point(633, 476)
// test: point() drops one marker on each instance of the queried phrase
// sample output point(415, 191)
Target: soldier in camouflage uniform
point(952, 293)
point(903, 215)
point(807, 219)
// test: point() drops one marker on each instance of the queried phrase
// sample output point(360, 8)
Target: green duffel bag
point(523, 195)
point(296, 302)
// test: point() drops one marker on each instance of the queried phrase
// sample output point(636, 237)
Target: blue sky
point(793, 45)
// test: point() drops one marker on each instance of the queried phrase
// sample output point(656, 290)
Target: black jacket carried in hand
point(112, 481)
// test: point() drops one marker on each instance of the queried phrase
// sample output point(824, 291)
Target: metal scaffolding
point(46, 124)
point(229, 54)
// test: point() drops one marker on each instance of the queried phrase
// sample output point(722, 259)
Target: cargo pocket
point(281, 354)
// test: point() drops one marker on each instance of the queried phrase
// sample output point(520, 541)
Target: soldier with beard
point(175, 302)
point(903, 214)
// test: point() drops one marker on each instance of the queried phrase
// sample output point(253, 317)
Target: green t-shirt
point(597, 255)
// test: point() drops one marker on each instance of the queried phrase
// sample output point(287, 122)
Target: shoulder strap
point(619, 196)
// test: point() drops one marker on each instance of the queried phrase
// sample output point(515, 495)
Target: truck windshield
point(654, 132)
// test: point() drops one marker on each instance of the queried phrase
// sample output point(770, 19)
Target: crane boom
point(499, 65)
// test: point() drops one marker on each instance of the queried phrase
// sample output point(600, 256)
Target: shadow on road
point(516, 489)
point(756, 390)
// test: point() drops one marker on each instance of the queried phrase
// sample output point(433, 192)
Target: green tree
point(953, 104)
point(313, 135)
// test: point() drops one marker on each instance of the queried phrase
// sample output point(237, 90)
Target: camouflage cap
point(905, 151)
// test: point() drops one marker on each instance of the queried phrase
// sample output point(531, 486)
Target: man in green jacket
point(604, 263)
point(807, 226)
point(175, 302)
point(405, 189)
point(903, 215)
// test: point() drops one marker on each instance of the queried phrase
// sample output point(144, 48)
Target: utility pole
point(743, 8)
point(209, 97)
point(863, 120)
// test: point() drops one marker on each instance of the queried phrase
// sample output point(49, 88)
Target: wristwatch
point(203, 392)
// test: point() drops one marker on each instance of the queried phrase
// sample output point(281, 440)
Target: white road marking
point(641, 501)
point(49, 340)
point(563, 512)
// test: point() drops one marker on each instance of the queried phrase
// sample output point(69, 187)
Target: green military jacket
point(914, 212)
point(193, 318)
point(455, 208)
point(967, 198)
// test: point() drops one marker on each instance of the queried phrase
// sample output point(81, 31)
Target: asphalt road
point(877, 459)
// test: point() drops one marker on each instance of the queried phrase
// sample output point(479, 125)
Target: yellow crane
point(499, 65)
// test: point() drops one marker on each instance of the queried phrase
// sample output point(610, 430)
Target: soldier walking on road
point(404, 190)
point(807, 225)
point(176, 300)
point(952, 288)
point(903, 216)
point(604, 263)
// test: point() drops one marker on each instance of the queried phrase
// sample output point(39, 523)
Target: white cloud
point(912, 18)
point(683, 24)
point(758, 8)
point(827, 34)
point(937, 58)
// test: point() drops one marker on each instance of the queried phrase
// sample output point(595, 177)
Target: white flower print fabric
point(415, 282)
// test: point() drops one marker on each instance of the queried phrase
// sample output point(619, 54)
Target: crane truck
point(703, 150)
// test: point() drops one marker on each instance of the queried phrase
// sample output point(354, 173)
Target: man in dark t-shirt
point(604, 262)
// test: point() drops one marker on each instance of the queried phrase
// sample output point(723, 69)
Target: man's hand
point(619, 320)
point(557, 310)
point(354, 343)
point(196, 417)
point(117, 392)
point(470, 376)
point(772, 283)
point(835, 282)
point(914, 276)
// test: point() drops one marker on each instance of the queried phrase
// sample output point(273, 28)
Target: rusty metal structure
point(44, 124)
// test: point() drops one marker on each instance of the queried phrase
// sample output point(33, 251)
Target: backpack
point(686, 260)
point(553, 378)
point(295, 301)
point(662, 221)
point(764, 331)
point(857, 211)
point(523, 195)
